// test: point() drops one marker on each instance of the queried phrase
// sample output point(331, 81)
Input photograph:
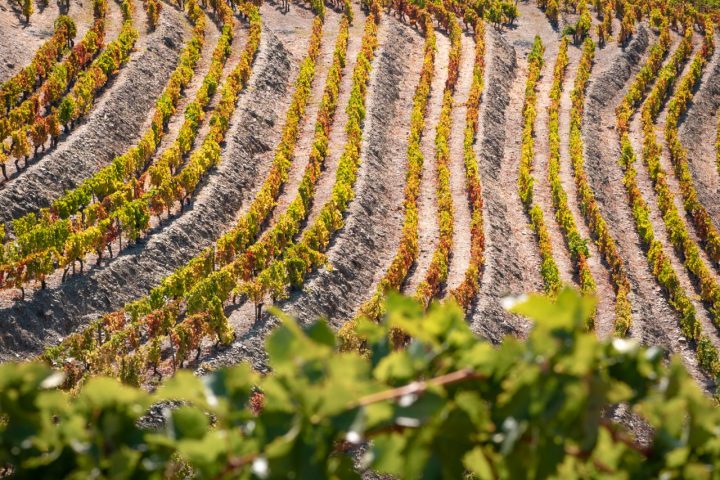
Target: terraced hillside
point(171, 170)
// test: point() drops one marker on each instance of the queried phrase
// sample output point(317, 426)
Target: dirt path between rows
point(117, 120)
point(512, 260)
point(460, 255)
point(306, 133)
point(427, 199)
point(338, 137)
point(512, 264)
point(605, 313)
point(212, 35)
point(362, 250)
point(114, 21)
point(654, 321)
point(246, 157)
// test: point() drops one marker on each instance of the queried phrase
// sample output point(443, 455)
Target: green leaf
point(321, 333)
point(188, 423)
point(103, 393)
point(233, 386)
point(205, 453)
point(386, 454)
point(476, 462)
point(567, 311)
point(184, 386)
point(396, 368)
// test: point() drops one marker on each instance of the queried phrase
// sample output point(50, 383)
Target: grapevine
point(657, 258)
point(586, 198)
point(408, 249)
point(51, 229)
point(548, 267)
point(704, 227)
point(437, 272)
point(466, 292)
point(284, 152)
point(15, 89)
point(27, 9)
point(577, 245)
point(29, 112)
point(387, 386)
point(152, 9)
point(123, 203)
point(674, 223)
point(79, 100)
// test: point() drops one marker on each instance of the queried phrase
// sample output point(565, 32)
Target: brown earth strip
point(509, 243)
point(661, 233)
point(460, 255)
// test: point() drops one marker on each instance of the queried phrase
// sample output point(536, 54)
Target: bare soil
point(661, 232)
point(363, 249)
point(508, 243)
point(114, 20)
point(460, 255)
point(428, 230)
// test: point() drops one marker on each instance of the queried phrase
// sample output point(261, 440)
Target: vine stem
point(418, 387)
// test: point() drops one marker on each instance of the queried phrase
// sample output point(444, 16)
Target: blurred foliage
point(450, 405)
